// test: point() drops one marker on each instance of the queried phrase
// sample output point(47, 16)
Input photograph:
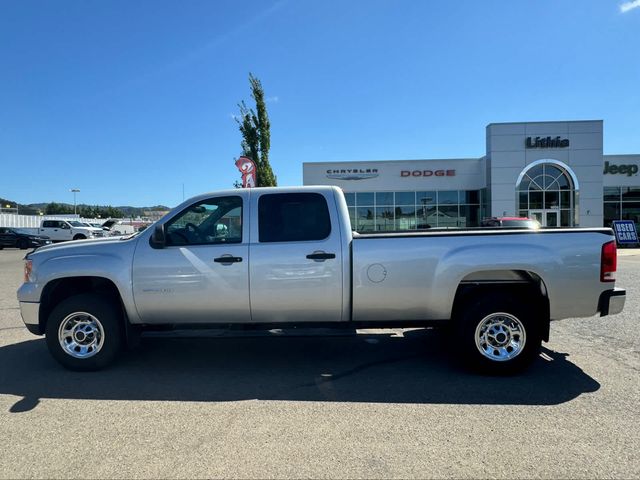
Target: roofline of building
point(395, 160)
point(547, 121)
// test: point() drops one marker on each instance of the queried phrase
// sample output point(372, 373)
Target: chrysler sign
point(367, 173)
point(352, 173)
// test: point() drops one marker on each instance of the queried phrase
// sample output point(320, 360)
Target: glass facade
point(413, 210)
point(621, 203)
point(546, 190)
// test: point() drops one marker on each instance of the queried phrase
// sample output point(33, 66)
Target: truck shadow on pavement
point(381, 368)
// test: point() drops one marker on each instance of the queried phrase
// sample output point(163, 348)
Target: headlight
point(28, 271)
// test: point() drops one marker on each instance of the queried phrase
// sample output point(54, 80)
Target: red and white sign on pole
point(248, 170)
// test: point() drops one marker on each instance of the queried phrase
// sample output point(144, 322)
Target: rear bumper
point(612, 301)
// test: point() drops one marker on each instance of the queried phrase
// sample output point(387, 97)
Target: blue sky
point(127, 100)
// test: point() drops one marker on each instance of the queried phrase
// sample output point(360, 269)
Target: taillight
point(608, 262)
point(28, 267)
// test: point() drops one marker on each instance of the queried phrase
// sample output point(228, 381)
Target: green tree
point(256, 134)
point(86, 211)
point(112, 212)
point(54, 208)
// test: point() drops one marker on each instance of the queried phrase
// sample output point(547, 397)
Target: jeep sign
point(627, 170)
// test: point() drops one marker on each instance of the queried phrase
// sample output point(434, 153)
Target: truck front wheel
point(79, 236)
point(499, 334)
point(84, 332)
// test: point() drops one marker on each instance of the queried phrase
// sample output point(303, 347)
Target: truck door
point(201, 274)
point(65, 231)
point(296, 258)
point(51, 229)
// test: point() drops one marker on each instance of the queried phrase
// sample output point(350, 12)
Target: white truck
point(62, 230)
point(286, 257)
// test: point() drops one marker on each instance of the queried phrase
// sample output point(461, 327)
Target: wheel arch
point(60, 289)
point(522, 284)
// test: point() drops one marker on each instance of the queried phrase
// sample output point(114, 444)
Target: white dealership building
point(555, 172)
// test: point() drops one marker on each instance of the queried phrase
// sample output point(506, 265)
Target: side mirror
point(158, 239)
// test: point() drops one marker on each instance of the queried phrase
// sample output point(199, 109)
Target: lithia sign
point(546, 142)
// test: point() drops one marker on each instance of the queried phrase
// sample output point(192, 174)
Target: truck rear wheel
point(499, 334)
point(84, 332)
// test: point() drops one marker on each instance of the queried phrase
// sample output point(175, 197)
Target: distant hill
point(35, 208)
point(139, 211)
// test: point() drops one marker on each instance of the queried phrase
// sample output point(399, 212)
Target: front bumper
point(39, 243)
point(30, 312)
point(612, 301)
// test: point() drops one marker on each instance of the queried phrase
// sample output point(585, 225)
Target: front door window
point(536, 215)
point(547, 218)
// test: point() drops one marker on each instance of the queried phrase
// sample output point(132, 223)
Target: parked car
point(61, 230)
point(287, 257)
point(93, 225)
point(22, 239)
point(511, 222)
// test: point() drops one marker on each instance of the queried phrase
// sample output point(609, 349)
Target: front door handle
point(321, 256)
point(224, 259)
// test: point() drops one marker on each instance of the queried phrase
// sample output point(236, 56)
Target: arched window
point(547, 192)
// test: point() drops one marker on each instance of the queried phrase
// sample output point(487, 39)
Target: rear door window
point(293, 217)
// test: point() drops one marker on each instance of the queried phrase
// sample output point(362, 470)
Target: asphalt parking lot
point(372, 405)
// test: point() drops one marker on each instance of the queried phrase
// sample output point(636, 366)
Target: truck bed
point(415, 275)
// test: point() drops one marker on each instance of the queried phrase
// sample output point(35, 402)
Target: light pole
point(74, 190)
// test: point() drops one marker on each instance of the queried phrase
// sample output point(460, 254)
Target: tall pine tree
point(256, 134)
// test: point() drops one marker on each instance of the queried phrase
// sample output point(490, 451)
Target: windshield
point(22, 231)
point(75, 223)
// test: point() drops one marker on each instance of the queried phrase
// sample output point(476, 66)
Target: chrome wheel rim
point(500, 337)
point(81, 335)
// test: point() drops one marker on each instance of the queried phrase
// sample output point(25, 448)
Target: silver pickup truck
point(285, 257)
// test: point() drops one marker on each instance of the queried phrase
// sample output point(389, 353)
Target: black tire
point(22, 244)
point(108, 315)
point(491, 310)
point(79, 237)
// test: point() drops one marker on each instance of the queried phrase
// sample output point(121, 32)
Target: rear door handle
point(227, 259)
point(321, 256)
